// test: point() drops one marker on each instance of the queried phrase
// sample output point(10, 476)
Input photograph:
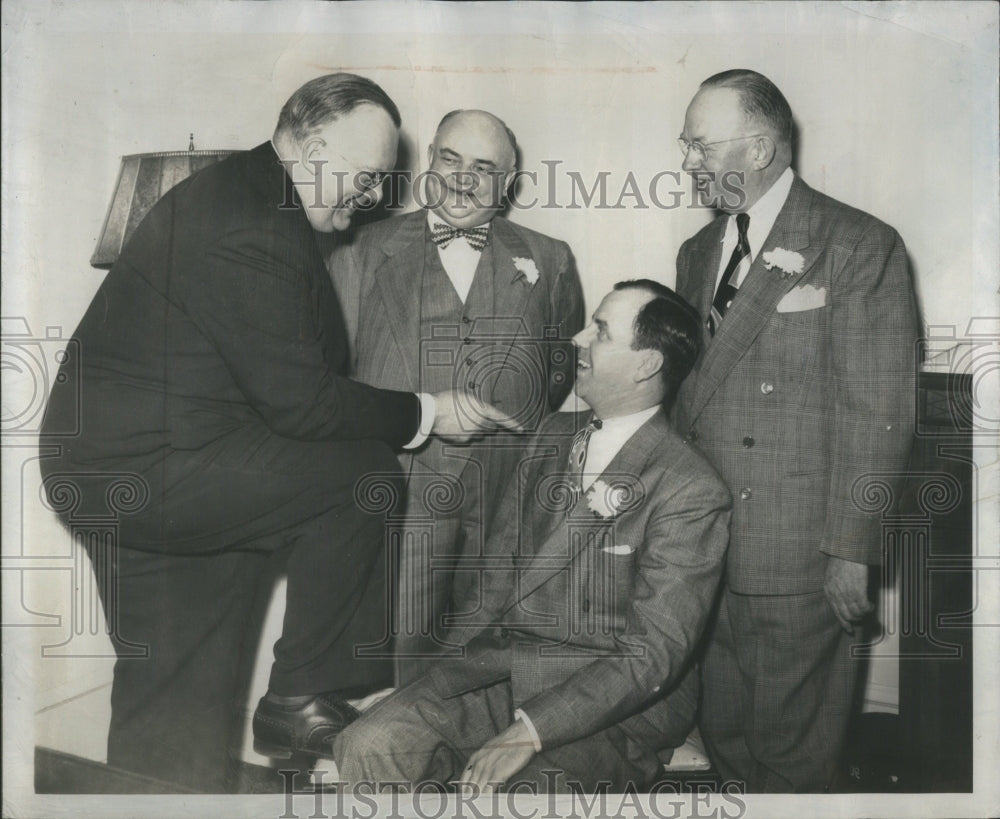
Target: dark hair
point(669, 324)
point(324, 99)
point(457, 111)
point(760, 99)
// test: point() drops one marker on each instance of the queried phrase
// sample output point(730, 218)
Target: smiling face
point(471, 161)
point(355, 150)
point(611, 377)
point(715, 115)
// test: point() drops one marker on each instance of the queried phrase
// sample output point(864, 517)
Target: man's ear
point(308, 151)
point(430, 155)
point(764, 150)
point(508, 181)
point(649, 365)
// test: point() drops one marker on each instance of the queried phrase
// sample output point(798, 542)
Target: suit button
point(467, 340)
point(586, 605)
point(766, 387)
point(748, 441)
point(504, 633)
point(745, 494)
point(692, 434)
point(466, 320)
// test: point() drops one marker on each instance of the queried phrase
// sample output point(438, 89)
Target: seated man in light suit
point(598, 581)
point(455, 294)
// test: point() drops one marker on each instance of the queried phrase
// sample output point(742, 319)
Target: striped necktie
point(578, 453)
point(727, 290)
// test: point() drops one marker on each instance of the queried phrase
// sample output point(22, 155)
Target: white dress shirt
point(459, 259)
point(605, 443)
point(762, 217)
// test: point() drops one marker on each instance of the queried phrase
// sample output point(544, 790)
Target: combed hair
point(669, 324)
point(760, 99)
point(510, 133)
point(325, 99)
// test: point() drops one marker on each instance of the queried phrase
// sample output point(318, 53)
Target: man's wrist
point(526, 721)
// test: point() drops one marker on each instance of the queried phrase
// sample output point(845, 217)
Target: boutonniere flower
point(606, 501)
point(788, 262)
point(527, 268)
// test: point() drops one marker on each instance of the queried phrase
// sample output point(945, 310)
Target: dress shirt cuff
point(519, 714)
point(427, 411)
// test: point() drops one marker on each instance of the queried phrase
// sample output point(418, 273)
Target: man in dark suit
point(212, 372)
point(599, 579)
point(805, 385)
point(455, 294)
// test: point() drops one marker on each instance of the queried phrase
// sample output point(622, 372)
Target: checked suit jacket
point(591, 617)
point(378, 277)
point(806, 389)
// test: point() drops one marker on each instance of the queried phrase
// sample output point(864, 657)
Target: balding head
point(472, 161)
point(488, 126)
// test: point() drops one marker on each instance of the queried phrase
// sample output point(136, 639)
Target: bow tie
point(444, 235)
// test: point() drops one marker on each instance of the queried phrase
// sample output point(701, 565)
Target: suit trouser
point(778, 688)
point(416, 735)
point(189, 571)
point(441, 526)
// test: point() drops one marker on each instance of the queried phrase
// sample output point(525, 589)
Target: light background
point(896, 106)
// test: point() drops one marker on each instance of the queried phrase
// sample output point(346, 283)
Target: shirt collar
point(764, 212)
point(628, 422)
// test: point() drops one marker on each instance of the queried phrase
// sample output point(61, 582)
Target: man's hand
point(846, 589)
point(460, 416)
point(500, 758)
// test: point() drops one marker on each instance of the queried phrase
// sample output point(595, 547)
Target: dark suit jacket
point(807, 387)
point(595, 618)
point(218, 317)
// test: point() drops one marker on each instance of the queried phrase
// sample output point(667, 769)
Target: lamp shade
point(142, 180)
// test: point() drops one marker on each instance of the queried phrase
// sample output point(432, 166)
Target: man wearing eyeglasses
point(456, 295)
point(805, 386)
point(212, 377)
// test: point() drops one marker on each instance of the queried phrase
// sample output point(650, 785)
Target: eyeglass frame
point(688, 145)
point(377, 177)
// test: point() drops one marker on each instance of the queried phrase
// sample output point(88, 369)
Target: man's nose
point(463, 181)
point(580, 339)
point(692, 161)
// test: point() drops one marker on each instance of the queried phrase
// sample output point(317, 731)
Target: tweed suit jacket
point(593, 619)
point(378, 277)
point(807, 387)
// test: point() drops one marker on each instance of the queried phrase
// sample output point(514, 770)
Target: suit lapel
point(758, 296)
point(511, 289)
point(399, 279)
point(557, 549)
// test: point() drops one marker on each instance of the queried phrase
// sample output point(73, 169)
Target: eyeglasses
point(701, 148)
point(365, 180)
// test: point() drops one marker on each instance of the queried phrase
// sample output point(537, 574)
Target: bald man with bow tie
point(456, 294)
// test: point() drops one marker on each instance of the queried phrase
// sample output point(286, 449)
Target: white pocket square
point(806, 297)
point(618, 550)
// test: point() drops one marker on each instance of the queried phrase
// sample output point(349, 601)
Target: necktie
point(444, 235)
point(727, 290)
point(578, 453)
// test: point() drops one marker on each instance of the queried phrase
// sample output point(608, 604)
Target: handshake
point(461, 417)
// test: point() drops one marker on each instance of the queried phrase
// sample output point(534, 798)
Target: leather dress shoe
point(279, 730)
